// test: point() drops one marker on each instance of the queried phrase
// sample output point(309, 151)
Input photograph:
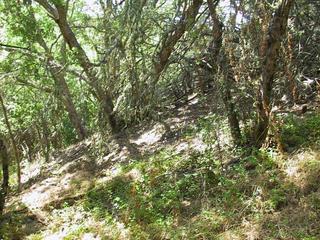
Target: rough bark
point(167, 44)
point(13, 142)
point(187, 20)
point(63, 89)
point(219, 58)
point(59, 13)
point(277, 29)
point(5, 174)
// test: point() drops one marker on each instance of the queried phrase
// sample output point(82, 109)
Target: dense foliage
point(117, 63)
point(74, 69)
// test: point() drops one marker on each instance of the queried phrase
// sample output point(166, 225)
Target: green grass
point(191, 196)
point(185, 197)
point(300, 132)
point(188, 196)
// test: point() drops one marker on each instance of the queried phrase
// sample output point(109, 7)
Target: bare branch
point(13, 46)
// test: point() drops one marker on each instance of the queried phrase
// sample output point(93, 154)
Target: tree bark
point(289, 70)
point(219, 58)
point(13, 142)
point(232, 115)
point(187, 20)
point(167, 44)
point(59, 13)
point(5, 174)
point(277, 29)
point(63, 90)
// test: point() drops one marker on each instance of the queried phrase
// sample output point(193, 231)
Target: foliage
point(298, 132)
point(163, 196)
point(123, 41)
point(107, 66)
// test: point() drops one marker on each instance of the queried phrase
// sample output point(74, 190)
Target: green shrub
point(298, 131)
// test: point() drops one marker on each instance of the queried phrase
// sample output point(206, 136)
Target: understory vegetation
point(162, 119)
point(194, 195)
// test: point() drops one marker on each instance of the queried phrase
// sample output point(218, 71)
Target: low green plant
point(76, 234)
point(297, 131)
point(37, 236)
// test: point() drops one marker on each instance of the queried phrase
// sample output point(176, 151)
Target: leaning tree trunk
point(188, 19)
point(220, 60)
point(65, 95)
point(277, 29)
point(58, 11)
point(104, 96)
point(167, 45)
point(45, 141)
point(13, 142)
point(5, 174)
point(58, 76)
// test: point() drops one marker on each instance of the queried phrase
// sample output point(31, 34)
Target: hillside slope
point(174, 179)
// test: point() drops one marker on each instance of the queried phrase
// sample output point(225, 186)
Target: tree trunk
point(5, 174)
point(277, 29)
point(64, 93)
point(59, 13)
point(45, 139)
point(13, 142)
point(289, 70)
point(219, 58)
point(187, 20)
point(103, 96)
point(167, 44)
point(62, 86)
point(232, 115)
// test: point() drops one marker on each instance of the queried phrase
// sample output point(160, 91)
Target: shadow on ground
point(18, 224)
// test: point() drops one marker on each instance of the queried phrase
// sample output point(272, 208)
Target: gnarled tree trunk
point(63, 91)
point(13, 142)
point(220, 63)
point(277, 30)
point(187, 20)
point(5, 174)
point(59, 13)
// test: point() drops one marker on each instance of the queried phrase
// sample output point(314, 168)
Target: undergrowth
point(193, 195)
point(300, 132)
point(188, 197)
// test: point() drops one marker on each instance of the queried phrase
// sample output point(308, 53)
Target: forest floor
point(171, 179)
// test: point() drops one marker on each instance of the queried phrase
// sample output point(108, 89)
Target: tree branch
point(13, 46)
point(50, 9)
